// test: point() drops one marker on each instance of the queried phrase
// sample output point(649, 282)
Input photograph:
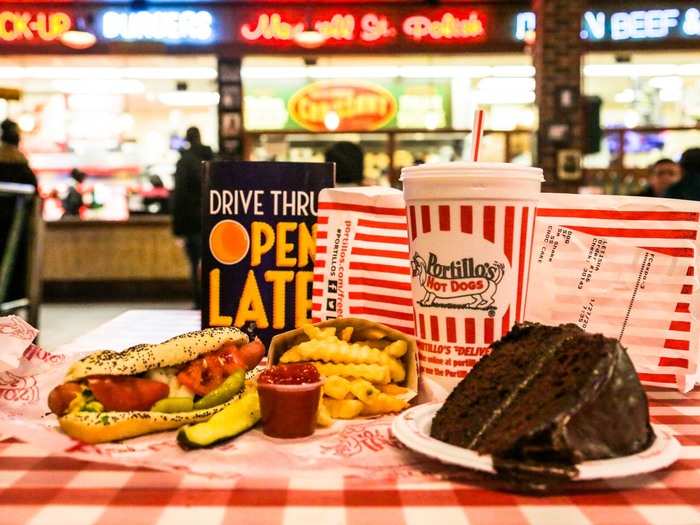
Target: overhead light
point(512, 71)
point(504, 96)
point(443, 71)
point(671, 94)
point(78, 39)
point(320, 72)
point(331, 120)
point(125, 122)
point(26, 122)
point(171, 73)
point(92, 73)
point(629, 70)
point(117, 86)
point(309, 39)
point(506, 84)
point(631, 119)
point(674, 82)
point(418, 71)
point(432, 120)
point(688, 70)
point(189, 98)
point(626, 96)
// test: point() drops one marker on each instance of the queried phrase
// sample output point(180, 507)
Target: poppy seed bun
point(144, 357)
point(101, 427)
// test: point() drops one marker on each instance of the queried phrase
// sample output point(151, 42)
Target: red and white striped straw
point(477, 133)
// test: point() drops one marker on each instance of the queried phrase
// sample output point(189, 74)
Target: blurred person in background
point(663, 174)
point(73, 201)
point(349, 163)
point(187, 203)
point(14, 168)
point(689, 186)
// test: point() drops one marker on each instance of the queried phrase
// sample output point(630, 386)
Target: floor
point(60, 323)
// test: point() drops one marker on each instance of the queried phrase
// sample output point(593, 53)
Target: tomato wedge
point(208, 372)
point(125, 394)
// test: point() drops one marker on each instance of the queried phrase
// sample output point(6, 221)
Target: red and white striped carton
point(470, 232)
point(362, 266)
point(625, 267)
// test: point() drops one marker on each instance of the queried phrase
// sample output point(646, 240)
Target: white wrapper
point(362, 447)
point(361, 267)
point(15, 336)
point(624, 267)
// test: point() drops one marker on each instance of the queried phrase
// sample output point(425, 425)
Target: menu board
point(259, 227)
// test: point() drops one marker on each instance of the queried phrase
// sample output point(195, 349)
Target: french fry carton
point(282, 342)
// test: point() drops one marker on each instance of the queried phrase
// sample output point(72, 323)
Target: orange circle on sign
point(229, 242)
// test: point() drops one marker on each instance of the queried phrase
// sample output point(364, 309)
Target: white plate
point(412, 428)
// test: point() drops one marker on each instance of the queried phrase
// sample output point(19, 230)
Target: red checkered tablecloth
point(37, 488)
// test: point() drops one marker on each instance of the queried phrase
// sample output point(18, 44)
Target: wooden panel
point(139, 249)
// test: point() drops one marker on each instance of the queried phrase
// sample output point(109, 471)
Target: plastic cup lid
point(472, 169)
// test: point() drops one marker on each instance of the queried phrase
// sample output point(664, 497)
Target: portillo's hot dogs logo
point(462, 283)
point(360, 106)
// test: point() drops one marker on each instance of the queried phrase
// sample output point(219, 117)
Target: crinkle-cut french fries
point(363, 390)
point(397, 348)
point(336, 387)
point(334, 350)
point(374, 373)
point(314, 332)
point(382, 404)
point(360, 376)
point(375, 401)
point(323, 416)
point(379, 344)
point(393, 390)
point(343, 408)
point(373, 333)
point(346, 334)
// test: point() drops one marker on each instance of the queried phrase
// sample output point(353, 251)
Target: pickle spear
point(224, 392)
point(171, 405)
point(241, 415)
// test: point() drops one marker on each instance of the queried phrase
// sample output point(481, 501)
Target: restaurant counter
point(133, 259)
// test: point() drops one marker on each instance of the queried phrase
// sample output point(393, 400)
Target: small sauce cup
point(289, 410)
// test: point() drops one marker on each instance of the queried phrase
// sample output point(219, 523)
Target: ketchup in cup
point(289, 397)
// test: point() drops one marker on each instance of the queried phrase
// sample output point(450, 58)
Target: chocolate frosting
point(545, 399)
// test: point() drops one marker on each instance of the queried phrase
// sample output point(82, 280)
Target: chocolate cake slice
point(546, 398)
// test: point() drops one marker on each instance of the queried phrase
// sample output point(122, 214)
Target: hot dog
point(109, 395)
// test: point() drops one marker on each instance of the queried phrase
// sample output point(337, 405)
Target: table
point(38, 488)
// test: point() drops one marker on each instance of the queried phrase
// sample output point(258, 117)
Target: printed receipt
point(606, 287)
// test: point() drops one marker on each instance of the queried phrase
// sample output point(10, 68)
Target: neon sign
point(620, 26)
point(338, 27)
point(167, 26)
point(448, 27)
point(370, 27)
point(24, 26)
point(642, 25)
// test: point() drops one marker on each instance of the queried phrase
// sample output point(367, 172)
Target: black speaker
point(593, 133)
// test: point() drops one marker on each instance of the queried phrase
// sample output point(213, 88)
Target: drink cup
point(470, 236)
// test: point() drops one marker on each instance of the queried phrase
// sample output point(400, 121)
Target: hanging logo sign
point(173, 26)
point(354, 106)
point(447, 27)
point(620, 26)
point(368, 28)
point(41, 26)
